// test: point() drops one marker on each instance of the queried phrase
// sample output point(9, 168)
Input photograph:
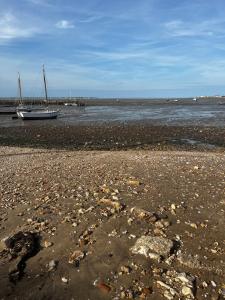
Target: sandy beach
point(88, 209)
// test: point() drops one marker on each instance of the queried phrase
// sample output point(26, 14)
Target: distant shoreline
point(115, 101)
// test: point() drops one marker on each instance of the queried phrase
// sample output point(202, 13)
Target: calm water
point(205, 115)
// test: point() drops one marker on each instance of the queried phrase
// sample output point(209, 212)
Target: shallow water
point(204, 115)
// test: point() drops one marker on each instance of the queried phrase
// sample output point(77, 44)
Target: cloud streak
point(10, 28)
point(64, 24)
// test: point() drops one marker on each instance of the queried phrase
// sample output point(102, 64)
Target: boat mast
point(20, 88)
point(45, 84)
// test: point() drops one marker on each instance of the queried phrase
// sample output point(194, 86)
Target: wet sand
point(115, 136)
point(82, 201)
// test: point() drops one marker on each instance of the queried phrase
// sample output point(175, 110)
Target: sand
point(64, 197)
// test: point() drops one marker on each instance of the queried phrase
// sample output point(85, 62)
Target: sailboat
point(21, 106)
point(39, 114)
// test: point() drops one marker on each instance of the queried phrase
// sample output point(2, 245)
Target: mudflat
point(135, 224)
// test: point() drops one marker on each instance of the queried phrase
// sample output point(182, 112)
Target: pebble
point(52, 265)
point(64, 280)
point(186, 291)
point(47, 244)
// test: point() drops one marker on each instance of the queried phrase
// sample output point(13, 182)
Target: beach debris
point(115, 204)
point(134, 182)
point(174, 284)
point(84, 238)
point(76, 257)
point(154, 247)
point(143, 214)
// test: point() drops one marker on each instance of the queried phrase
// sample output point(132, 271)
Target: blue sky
point(120, 48)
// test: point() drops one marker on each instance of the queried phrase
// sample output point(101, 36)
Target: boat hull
point(38, 115)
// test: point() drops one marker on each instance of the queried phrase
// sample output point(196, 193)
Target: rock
point(161, 224)
point(173, 206)
point(64, 280)
point(167, 287)
point(204, 284)
point(52, 265)
point(2, 244)
point(126, 269)
point(47, 244)
point(153, 247)
point(115, 204)
point(130, 220)
point(144, 214)
point(177, 284)
point(76, 257)
point(186, 291)
point(134, 182)
point(193, 225)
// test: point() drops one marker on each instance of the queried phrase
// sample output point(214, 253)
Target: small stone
point(129, 221)
point(186, 291)
point(193, 225)
point(173, 206)
point(204, 284)
point(2, 244)
point(214, 251)
point(134, 182)
point(47, 244)
point(143, 214)
point(158, 231)
point(76, 257)
point(115, 204)
point(126, 269)
point(159, 224)
point(52, 265)
point(64, 280)
point(213, 283)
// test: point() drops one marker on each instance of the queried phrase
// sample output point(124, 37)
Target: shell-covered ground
point(89, 208)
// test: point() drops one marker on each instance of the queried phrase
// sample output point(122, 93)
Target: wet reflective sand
point(204, 115)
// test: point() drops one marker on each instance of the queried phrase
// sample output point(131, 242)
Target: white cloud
point(10, 28)
point(65, 24)
point(43, 3)
point(178, 28)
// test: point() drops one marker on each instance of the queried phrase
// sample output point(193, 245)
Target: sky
point(120, 48)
